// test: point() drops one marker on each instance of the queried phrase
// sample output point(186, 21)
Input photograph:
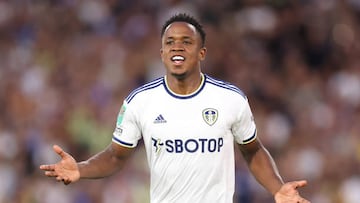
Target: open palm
point(288, 193)
point(66, 170)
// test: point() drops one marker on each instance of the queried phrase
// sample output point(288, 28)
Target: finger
point(305, 201)
point(47, 167)
point(59, 178)
point(297, 184)
point(302, 200)
point(51, 174)
point(66, 182)
point(60, 151)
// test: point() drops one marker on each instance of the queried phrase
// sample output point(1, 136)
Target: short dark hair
point(183, 17)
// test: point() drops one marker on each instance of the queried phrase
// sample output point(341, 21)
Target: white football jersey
point(189, 139)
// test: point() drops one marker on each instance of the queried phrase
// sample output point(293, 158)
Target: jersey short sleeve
point(127, 133)
point(244, 129)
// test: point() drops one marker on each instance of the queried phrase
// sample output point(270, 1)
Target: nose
point(178, 46)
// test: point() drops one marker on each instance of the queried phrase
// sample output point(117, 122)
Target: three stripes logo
point(160, 119)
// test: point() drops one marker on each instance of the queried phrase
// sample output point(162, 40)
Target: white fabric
point(190, 155)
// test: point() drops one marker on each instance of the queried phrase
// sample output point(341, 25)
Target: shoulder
point(144, 89)
point(225, 86)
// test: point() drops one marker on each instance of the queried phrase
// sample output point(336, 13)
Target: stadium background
point(66, 65)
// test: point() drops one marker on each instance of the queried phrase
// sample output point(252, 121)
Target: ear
point(202, 53)
point(161, 54)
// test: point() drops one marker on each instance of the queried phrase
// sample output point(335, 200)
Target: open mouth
point(178, 59)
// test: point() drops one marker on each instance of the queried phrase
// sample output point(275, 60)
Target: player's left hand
point(288, 193)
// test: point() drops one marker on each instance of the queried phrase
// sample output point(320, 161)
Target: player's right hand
point(66, 170)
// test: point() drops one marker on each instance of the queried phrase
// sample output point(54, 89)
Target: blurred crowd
point(66, 66)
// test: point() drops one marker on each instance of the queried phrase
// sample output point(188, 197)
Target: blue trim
point(225, 85)
point(186, 96)
point(145, 87)
point(122, 142)
point(251, 138)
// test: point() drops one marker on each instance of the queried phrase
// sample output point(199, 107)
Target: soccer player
point(188, 122)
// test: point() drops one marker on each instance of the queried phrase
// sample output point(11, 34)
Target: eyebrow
point(184, 37)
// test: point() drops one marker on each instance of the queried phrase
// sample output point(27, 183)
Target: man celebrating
point(189, 122)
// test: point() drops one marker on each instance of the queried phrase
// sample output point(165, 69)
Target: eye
point(187, 42)
point(169, 42)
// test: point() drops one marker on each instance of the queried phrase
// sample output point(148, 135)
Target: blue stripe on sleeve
point(126, 144)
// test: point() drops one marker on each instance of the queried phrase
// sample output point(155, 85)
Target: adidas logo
point(160, 119)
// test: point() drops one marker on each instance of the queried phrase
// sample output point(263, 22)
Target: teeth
point(178, 58)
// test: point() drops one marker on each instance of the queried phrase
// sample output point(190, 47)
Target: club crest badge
point(210, 116)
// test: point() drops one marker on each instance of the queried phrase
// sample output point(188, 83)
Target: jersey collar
point(185, 96)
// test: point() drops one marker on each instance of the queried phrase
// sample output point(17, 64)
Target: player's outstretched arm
point(263, 167)
point(100, 165)
point(66, 170)
point(105, 163)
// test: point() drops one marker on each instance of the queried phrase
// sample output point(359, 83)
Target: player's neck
point(184, 86)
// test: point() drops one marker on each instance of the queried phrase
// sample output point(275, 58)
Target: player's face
point(181, 50)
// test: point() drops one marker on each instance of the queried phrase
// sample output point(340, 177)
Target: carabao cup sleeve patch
point(121, 115)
